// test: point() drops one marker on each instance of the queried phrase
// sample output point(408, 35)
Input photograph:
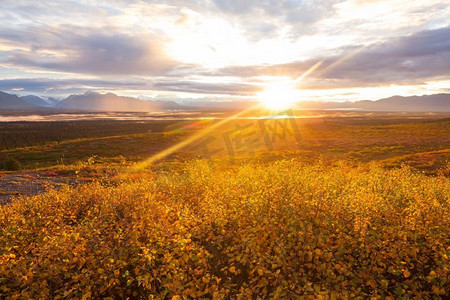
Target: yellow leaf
point(437, 290)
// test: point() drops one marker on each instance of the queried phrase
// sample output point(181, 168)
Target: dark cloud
point(76, 50)
point(406, 60)
point(47, 86)
point(235, 89)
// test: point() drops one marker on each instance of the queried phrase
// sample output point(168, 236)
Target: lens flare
point(279, 95)
point(283, 94)
point(197, 136)
point(286, 89)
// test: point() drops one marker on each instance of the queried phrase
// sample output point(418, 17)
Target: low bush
point(284, 230)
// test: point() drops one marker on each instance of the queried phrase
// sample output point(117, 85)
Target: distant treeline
point(23, 134)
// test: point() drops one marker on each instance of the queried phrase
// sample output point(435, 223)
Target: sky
point(203, 51)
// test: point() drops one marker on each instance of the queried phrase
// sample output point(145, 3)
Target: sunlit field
point(351, 204)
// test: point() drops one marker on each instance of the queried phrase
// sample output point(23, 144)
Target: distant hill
point(427, 103)
point(112, 102)
point(12, 102)
point(437, 102)
point(94, 101)
point(38, 101)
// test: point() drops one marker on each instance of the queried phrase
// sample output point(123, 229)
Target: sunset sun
point(279, 95)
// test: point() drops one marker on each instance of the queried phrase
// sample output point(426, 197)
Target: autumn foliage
point(281, 230)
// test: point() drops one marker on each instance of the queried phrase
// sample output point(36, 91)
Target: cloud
point(61, 49)
point(127, 44)
point(84, 37)
point(234, 89)
point(15, 13)
point(305, 11)
point(45, 86)
point(262, 19)
point(65, 86)
point(410, 59)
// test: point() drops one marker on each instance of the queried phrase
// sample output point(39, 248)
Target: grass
point(326, 138)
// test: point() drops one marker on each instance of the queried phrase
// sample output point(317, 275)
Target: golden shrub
point(281, 230)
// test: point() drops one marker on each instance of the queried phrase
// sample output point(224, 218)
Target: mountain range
point(112, 102)
point(90, 101)
point(93, 101)
point(426, 103)
point(13, 102)
point(38, 101)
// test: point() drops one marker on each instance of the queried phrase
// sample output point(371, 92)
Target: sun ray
point(191, 139)
point(309, 71)
point(163, 154)
point(340, 61)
